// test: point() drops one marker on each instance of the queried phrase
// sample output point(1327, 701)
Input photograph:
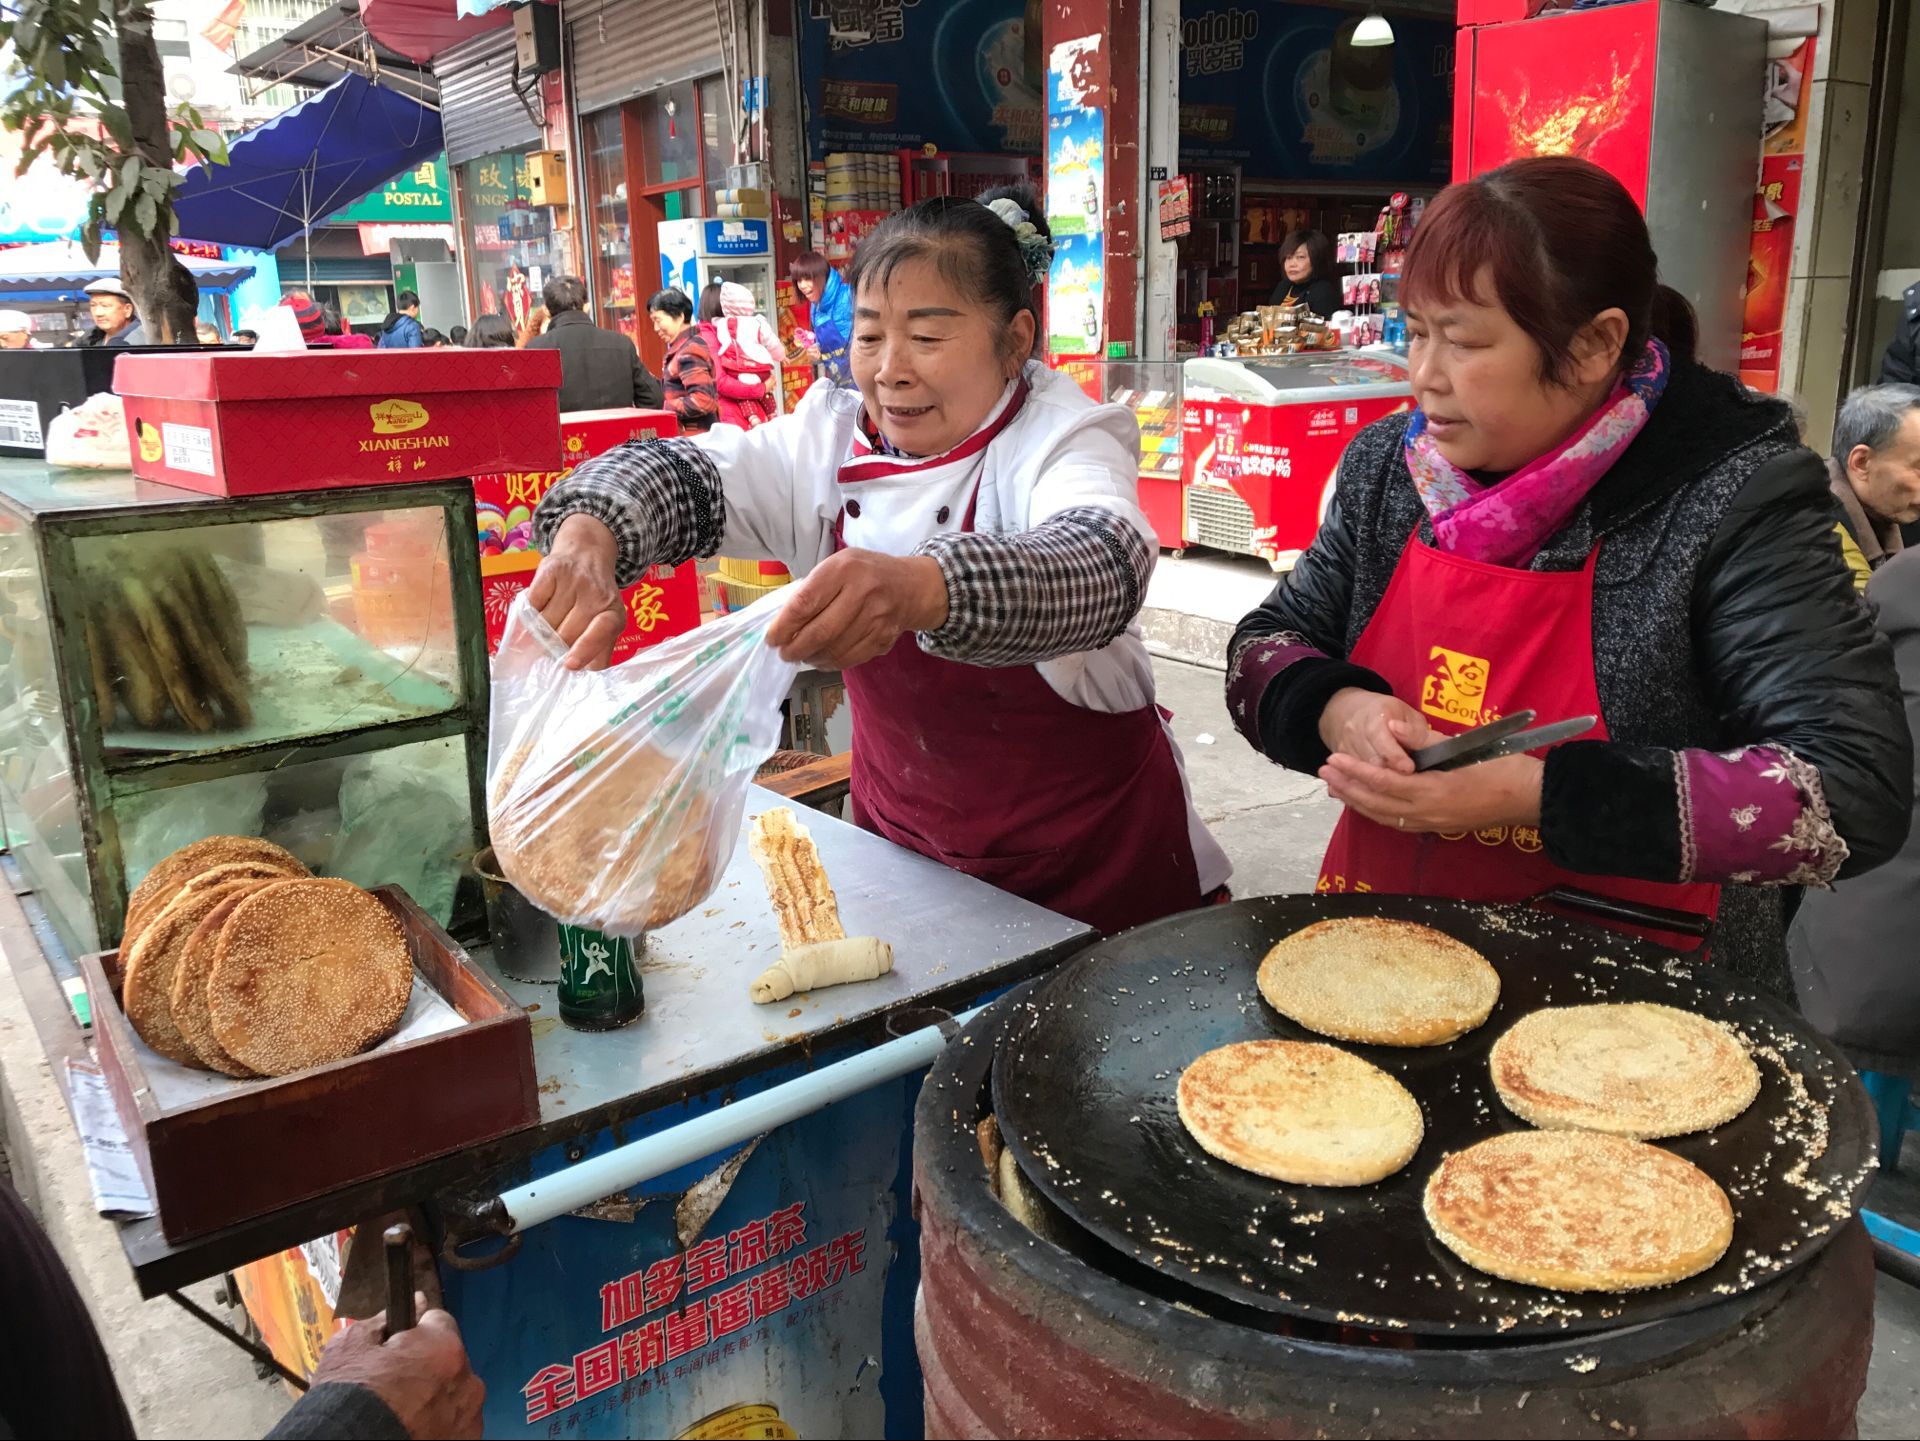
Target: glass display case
point(308, 667)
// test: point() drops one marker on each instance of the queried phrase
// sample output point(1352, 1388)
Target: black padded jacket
point(1723, 615)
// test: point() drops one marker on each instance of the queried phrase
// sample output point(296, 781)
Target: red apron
point(1465, 642)
point(990, 771)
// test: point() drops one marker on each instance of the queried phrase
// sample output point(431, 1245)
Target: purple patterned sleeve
point(1756, 816)
point(1253, 669)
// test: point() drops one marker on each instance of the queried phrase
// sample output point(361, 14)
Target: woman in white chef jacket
point(973, 559)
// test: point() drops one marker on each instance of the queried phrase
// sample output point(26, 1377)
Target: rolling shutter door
point(479, 113)
point(618, 49)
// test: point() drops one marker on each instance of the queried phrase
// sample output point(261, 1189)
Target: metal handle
point(1632, 913)
point(399, 1241)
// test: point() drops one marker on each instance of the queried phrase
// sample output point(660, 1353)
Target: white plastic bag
point(614, 797)
point(91, 436)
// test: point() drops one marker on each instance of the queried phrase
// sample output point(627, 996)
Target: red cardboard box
point(260, 424)
point(664, 602)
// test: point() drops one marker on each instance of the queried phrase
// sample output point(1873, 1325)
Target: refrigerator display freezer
point(1262, 438)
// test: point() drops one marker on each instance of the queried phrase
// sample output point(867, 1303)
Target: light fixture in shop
point(1373, 30)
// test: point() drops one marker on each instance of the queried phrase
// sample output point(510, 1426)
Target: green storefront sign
point(419, 195)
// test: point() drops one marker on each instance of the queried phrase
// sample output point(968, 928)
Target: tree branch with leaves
point(65, 53)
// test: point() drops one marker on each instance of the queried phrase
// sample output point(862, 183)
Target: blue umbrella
point(291, 173)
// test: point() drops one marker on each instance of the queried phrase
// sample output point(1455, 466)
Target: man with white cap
point(114, 322)
point(16, 330)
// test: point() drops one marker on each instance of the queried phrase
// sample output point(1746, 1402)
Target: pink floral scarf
point(1507, 522)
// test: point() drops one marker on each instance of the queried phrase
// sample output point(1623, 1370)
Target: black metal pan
point(1084, 1091)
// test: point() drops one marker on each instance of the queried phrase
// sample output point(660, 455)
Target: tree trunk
point(148, 267)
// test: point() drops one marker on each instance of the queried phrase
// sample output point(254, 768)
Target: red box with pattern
point(664, 602)
point(262, 424)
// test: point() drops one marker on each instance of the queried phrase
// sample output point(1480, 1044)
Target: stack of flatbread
point(608, 833)
point(165, 637)
point(236, 959)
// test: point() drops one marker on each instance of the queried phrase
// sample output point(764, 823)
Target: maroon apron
point(989, 770)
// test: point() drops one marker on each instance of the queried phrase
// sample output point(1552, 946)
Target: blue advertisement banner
point(1283, 90)
point(900, 74)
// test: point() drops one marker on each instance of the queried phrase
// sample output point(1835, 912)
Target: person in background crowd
point(458, 335)
point(206, 332)
point(16, 330)
point(599, 369)
point(741, 381)
point(1580, 518)
point(1852, 946)
point(431, 339)
point(114, 322)
point(1874, 473)
point(402, 330)
point(691, 393)
point(1306, 262)
point(340, 335)
point(491, 332)
point(247, 338)
point(306, 310)
point(1901, 364)
point(56, 1378)
point(832, 305)
point(535, 327)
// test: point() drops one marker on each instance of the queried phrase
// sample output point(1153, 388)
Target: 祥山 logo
point(396, 417)
point(1456, 688)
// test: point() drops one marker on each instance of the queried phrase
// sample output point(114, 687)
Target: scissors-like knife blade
point(1523, 741)
point(1468, 744)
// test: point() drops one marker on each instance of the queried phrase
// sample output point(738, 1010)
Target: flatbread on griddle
point(1300, 1111)
point(1379, 982)
point(1630, 1069)
point(307, 972)
point(1578, 1211)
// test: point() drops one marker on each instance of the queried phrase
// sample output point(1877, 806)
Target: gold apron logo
point(396, 417)
point(1456, 688)
point(149, 433)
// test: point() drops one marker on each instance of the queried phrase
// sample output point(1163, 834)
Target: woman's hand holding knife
point(1370, 770)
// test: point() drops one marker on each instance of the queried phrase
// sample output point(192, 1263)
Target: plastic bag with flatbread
point(615, 797)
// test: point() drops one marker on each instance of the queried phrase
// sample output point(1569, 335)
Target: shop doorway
point(654, 158)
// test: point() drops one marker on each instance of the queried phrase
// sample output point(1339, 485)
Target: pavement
point(182, 1381)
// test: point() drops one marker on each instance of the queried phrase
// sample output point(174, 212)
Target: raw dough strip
point(796, 881)
point(823, 963)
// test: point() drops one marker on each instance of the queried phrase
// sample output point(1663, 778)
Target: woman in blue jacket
point(832, 305)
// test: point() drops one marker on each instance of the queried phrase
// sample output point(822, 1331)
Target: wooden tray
point(267, 1144)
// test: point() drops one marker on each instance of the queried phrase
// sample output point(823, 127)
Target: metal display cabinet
point(350, 726)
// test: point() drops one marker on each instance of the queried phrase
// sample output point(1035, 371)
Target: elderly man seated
point(1875, 468)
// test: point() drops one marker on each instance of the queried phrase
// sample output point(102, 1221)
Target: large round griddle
point(1084, 1091)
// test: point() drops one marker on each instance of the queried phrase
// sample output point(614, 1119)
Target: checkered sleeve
point(660, 498)
point(1072, 584)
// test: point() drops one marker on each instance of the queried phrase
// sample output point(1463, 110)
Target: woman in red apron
point(1578, 518)
point(974, 558)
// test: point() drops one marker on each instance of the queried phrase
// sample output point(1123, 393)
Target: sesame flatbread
point(1578, 1211)
point(307, 972)
point(1300, 1111)
point(172, 871)
point(147, 990)
point(607, 834)
point(1379, 982)
point(189, 995)
point(1631, 1069)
